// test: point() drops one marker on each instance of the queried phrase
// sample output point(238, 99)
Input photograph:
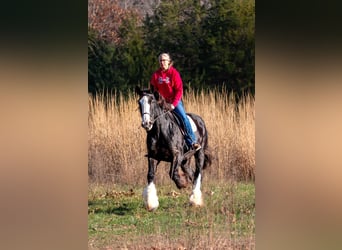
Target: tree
point(229, 44)
point(175, 27)
point(211, 42)
point(114, 47)
point(105, 18)
point(100, 72)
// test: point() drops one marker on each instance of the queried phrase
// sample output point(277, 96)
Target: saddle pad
point(193, 125)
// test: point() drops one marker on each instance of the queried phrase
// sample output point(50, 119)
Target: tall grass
point(117, 148)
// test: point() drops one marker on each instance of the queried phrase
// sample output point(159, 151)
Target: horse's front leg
point(150, 192)
point(196, 196)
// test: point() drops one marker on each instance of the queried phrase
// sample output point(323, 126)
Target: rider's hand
point(169, 107)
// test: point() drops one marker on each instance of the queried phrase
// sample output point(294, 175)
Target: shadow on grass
point(123, 209)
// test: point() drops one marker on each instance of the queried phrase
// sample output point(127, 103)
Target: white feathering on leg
point(150, 197)
point(196, 196)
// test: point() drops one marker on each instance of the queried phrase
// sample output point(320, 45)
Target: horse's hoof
point(196, 199)
point(151, 209)
point(150, 197)
point(196, 203)
point(182, 184)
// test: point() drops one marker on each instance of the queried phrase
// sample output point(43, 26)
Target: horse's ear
point(156, 95)
point(138, 90)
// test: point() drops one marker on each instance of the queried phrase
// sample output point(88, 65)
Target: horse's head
point(148, 105)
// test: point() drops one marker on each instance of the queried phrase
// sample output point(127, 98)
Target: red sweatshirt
point(169, 84)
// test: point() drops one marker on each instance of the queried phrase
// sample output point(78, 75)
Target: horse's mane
point(161, 101)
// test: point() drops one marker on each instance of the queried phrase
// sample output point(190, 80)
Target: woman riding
point(167, 81)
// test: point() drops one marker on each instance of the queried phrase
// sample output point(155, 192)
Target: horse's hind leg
point(150, 192)
point(188, 170)
point(196, 196)
point(180, 178)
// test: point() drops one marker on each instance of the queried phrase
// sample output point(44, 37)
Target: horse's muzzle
point(147, 125)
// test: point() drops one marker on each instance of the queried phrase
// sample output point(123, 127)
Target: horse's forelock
point(142, 92)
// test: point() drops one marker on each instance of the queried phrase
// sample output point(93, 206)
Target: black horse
point(165, 142)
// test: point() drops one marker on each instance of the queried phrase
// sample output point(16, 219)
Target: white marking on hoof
point(150, 197)
point(196, 196)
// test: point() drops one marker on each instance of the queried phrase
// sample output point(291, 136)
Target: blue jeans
point(190, 137)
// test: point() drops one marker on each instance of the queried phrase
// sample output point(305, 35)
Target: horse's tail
point(208, 157)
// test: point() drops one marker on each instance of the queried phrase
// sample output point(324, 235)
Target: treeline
point(211, 42)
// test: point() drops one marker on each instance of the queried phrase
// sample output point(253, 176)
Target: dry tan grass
point(116, 146)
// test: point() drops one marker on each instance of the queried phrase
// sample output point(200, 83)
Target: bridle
point(157, 117)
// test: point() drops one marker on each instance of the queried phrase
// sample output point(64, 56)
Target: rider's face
point(164, 62)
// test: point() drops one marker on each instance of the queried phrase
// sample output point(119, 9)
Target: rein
point(160, 116)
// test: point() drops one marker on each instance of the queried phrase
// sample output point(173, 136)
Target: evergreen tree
point(100, 71)
point(211, 42)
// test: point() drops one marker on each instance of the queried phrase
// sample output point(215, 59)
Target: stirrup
point(196, 146)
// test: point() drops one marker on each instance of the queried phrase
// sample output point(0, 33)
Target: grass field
point(117, 218)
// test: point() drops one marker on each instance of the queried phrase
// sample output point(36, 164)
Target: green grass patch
point(117, 218)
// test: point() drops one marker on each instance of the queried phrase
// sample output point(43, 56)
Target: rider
point(167, 81)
